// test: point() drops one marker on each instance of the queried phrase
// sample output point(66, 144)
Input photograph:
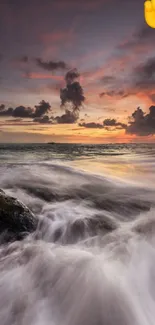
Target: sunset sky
point(109, 44)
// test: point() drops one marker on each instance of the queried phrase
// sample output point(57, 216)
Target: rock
point(16, 220)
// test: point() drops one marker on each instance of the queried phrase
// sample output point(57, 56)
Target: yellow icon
point(149, 12)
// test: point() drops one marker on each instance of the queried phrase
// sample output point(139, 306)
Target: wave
point(91, 259)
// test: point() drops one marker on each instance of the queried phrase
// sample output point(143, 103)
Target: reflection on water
point(135, 162)
point(115, 167)
point(130, 167)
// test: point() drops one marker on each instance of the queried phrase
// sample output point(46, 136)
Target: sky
point(113, 52)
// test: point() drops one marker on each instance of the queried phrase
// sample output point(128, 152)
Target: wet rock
point(16, 220)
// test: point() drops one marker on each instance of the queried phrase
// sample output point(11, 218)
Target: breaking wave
point(92, 258)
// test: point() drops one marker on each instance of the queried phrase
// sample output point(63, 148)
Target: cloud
point(26, 112)
point(1, 57)
point(38, 114)
point(41, 109)
point(107, 124)
point(145, 33)
point(91, 125)
point(43, 120)
point(24, 59)
point(6, 112)
point(148, 68)
point(51, 65)
point(22, 111)
point(71, 76)
point(73, 93)
point(141, 38)
point(144, 74)
point(140, 83)
point(142, 124)
point(2, 107)
point(112, 122)
point(67, 118)
point(108, 80)
point(114, 93)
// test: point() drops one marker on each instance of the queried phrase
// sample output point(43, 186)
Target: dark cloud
point(42, 109)
point(39, 114)
point(51, 65)
point(43, 120)
point(71, 76)
point(113, 122)
point(26, 112)
point(6, 112)
point(67, 118)
point(24, 59)
point(147, 69)
point(113, 93)
point(92, 125)
point(143, 36)
point(115, 87)
point(22, 111)
point(144, 74)
point(108, 79)
point(1, 57)
point(142, 78)
point(145, 33)
point(73, 93)
point(107, 124)
point(2, 107)
point(142, 124)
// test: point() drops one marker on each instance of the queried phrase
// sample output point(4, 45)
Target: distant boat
point(51, 143)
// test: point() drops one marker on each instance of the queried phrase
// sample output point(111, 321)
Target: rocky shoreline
point(16, 220)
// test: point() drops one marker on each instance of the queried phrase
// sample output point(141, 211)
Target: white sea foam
point(92, 259)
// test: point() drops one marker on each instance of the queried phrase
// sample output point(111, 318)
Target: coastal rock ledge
point(16, 220)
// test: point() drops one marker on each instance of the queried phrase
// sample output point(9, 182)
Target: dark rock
point(16, 220)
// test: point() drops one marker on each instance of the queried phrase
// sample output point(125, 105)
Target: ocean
point(91, 260)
